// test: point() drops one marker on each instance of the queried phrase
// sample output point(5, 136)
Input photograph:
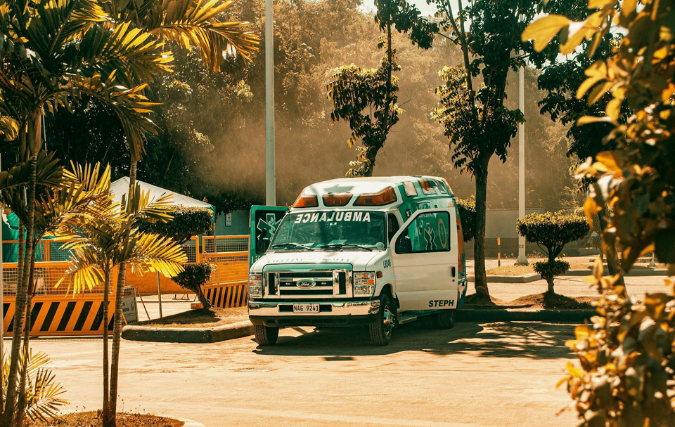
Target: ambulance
point(377, 252)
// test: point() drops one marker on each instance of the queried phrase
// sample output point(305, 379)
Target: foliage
point(626, 358)
point(478, 123)
point(366, 98)
point(552, 230)
point(550, 269)
point(193, 277)
point(467, 214)
point(41, 397)
point(184, 224)
point(363, 98)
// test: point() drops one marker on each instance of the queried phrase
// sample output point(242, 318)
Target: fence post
point(499, 252)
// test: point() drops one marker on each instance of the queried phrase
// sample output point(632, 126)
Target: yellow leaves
point(573, 371)
point(610, 160)
point(582, 332)
point(582, 30)
point(544, 29)
point(591, 208)
point(9, 128)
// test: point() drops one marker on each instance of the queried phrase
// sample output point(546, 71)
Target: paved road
point(478, 374)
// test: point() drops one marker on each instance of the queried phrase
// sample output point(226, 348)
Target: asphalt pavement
point(478, 374)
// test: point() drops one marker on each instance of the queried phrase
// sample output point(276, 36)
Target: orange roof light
point(382, 198)
point(427, 187)
point(306, 202)
point(337, 199)
point(409, 188)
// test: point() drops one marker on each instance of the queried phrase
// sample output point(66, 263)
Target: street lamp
point(270, 172)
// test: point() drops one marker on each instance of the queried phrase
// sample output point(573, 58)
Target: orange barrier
point(226, 295)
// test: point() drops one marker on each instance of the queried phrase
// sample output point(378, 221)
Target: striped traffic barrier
point(227, 295)
point(61, 316)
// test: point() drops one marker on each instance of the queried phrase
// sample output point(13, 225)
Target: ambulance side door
point(424, 258)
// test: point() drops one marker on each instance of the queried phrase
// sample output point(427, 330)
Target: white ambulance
point(371, 251)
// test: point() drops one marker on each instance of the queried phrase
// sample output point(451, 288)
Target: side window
point(429, 232)
point(392, 226)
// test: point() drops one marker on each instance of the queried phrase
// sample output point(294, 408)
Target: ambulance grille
point(308, 284)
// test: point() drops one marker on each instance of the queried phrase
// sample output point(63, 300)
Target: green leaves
point(552, 230)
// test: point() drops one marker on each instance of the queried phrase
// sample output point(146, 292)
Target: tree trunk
point(202, 298)
point(612, 259)
point(20, 416)
point(480, 274)
point(21, 295)
point(550, 282)
point(106, 362)
point(117, 329)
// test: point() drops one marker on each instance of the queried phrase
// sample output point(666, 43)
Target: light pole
point(270, 172)
point(522, 258)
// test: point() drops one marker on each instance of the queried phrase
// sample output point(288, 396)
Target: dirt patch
point(92, 419)
point(201, 318)
point(510, 270)
point(536, 301)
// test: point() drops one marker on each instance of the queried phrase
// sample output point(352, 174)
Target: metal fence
point(231, 263)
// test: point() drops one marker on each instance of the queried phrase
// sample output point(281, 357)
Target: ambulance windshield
point(331, 230)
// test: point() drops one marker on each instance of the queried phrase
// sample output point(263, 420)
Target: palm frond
point(152, 252)
point(198, 23)
point(56, 22)
point(130, 106)
point(42, 399)
point(84, 270)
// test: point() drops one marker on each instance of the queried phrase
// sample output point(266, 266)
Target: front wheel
point(382, 328)
point(266, 335)
point(445, 319)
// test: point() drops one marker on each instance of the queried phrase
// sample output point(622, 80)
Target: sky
point(422, 5)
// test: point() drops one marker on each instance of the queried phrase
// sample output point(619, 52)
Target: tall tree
point(366, 98)
point(477, 122)
point(54, 53)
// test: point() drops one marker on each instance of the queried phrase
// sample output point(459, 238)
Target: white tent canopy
point(120, 188)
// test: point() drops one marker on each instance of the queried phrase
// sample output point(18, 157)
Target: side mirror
point(403, 244)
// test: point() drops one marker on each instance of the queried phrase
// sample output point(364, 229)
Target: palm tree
point(101, 243)
point(54, 52)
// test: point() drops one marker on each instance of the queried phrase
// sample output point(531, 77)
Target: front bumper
point(332, 313)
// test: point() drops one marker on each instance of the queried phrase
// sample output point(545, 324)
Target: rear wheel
point(445, 319)
point(266, 335)
point(381, 329)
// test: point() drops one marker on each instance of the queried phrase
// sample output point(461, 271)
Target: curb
point(190, 423)
point(188, 335)
point(533, 277)
point(525, 278)
point(508, 315)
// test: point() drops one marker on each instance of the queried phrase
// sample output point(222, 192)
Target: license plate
point(305, 308)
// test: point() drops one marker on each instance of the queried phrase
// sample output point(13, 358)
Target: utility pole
point(270, 172)
point(522, 258)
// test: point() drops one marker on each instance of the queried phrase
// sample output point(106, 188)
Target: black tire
point(266, 335)
point(445, 319)
point(383, 327)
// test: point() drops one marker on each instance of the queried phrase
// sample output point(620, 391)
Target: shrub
point(467, 215)
point(551, 232)
point(193, 277)
point(186, 223)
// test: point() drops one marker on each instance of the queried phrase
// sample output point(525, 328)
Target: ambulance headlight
point(255, 289)
point(364, 284)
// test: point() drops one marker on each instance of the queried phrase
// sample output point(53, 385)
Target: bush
point(467, 215)
point(193, 277)
point(552, 231)
point(186, 223)
point(549, 269)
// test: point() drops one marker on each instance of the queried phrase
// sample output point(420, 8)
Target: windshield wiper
point(344, 245)
point(291, 245)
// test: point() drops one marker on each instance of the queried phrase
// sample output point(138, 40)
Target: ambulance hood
point(358, 259)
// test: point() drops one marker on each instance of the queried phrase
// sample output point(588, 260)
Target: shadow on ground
point(533, 340)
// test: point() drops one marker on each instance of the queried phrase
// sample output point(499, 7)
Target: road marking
point(346, 418)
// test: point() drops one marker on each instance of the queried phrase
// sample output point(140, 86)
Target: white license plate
point(305, 308)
